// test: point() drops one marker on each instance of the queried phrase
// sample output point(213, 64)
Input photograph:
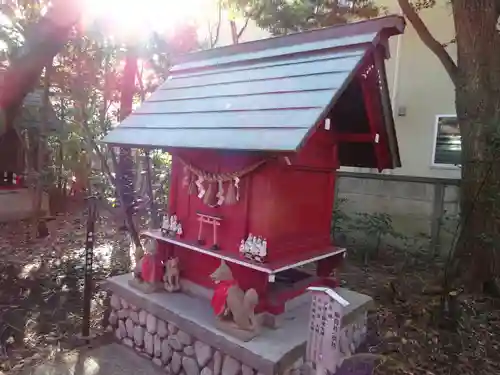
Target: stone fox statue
point(171, 277)
point(230, 303)
point(148, 271)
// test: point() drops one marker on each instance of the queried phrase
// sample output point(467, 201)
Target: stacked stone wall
point(179, 353)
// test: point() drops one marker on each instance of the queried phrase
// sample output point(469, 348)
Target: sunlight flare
point(128, 18)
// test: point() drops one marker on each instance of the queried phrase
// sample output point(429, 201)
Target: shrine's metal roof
point(262, 95)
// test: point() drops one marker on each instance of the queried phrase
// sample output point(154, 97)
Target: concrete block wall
point(416, 205)
point(17, 204)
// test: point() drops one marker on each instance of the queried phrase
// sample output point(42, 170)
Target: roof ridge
point(394, 23)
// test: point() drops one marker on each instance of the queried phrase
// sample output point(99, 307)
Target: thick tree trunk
point(478, 111)
point(43, 41)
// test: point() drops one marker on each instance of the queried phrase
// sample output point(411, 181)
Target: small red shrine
point(257, 132)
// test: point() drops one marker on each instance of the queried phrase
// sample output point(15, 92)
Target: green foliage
point(375, 227)
point(16, 17)
point(287, 16)
point(423, 4)
point(11, 33)
point(85, 90)
point(415, 247)
point(162, 166)
point(340, 219)
point(370, 231)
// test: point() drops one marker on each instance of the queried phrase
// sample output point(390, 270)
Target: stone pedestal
point(178, 333)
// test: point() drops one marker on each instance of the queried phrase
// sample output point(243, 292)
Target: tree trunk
point(153, 211)
point(125, 171)
point(41, 157)
point(126, 161)
point(478, 111)
point(43, 41)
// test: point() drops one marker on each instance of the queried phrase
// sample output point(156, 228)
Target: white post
point(324, 329)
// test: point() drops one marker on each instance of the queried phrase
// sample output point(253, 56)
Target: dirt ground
point(409, 330)
point(41, 286)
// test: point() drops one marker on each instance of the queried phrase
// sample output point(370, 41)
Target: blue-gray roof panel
point(237, 120)
point(340, 65)
point(265, 97)
point(280, 52)
point(327, 81)
point(277, 139)
point(295, 59)
point(241, 101)
point(268, 101)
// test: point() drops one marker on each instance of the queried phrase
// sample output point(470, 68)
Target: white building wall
point(419, 87)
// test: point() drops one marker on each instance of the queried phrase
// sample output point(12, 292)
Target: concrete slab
point(270, 353)
point(111, 359)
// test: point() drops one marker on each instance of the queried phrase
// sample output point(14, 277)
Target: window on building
point(447, 145)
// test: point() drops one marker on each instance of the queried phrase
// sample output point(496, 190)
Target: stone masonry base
point(179, 352)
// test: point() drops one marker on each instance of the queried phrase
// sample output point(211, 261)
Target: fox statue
point(149, 270)
point(231, 305)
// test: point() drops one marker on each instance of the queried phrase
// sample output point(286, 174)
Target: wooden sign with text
point(327, 309)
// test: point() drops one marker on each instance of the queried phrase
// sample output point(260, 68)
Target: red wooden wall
point(288, 200)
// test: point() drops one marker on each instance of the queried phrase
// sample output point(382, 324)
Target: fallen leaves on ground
point(41, 285)
point(408, 328)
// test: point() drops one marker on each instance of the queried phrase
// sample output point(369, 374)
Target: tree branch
point(214, 41)
point(253, 15)
point(98, 152)
point(105, 93)
point(431, 42)
point(243, 28)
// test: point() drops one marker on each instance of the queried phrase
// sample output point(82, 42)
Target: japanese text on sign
point(324, 328)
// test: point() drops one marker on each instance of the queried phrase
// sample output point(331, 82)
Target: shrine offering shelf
point(268, 268)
